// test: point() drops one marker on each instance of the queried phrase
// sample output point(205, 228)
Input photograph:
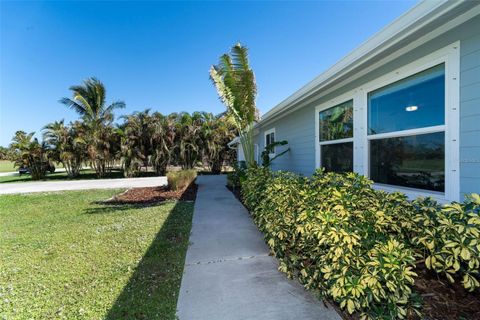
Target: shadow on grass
point(110, 207)
point(152, 290)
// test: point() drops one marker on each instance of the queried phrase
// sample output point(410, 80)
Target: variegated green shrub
point(448, 237)
point(338, 236)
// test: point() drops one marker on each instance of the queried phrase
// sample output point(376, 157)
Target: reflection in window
point(337, 157)
point(337, 122)
point(414, 161)
point(269, 138)
point(414, 102)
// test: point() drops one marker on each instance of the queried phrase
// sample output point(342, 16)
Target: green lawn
point(6, 166)
point(84, 175)
point(65, 256)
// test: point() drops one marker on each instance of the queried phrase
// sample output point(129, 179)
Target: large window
point(406, 130)
point(336, 137)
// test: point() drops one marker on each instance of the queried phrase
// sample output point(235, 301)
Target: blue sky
point(157, 54)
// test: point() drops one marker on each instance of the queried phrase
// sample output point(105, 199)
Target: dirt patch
point(153, 195)
point(444, 300)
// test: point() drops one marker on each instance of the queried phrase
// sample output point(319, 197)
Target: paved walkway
point(47, 186)
point(228, 273)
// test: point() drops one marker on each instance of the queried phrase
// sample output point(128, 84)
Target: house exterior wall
point(298, 127)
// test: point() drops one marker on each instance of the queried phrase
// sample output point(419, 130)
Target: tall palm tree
point(235, 84)
point(89, 101)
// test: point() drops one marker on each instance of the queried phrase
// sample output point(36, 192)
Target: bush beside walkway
point(362, 247)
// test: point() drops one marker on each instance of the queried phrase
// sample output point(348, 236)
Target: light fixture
point(411, 108)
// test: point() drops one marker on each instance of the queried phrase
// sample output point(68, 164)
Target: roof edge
point(385, 38)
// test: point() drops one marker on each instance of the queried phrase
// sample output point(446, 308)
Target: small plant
point(266, 159)
point(237, 176)
point(180, 180)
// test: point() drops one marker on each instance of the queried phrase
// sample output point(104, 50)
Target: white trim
point(405, 133)
point(267, 132)
point(324, 106)
point(448, 55)
point(366, 54)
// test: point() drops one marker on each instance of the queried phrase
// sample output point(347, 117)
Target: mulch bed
point(153, 195)
point(442, 300)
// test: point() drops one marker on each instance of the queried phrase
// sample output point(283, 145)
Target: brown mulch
point(443, 300)
point(152, 195)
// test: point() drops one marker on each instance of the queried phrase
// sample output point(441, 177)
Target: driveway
point(47, 186)
point(229, 274)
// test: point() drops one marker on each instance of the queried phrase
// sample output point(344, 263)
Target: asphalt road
point(48, 186)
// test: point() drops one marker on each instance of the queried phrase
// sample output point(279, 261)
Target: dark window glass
point(414, 102)
point(337, 122)
point(337, 157)
point(270, 138)
point(414, 161)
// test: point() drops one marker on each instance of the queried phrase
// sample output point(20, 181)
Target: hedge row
point(358, 246)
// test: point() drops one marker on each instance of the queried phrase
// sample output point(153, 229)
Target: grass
point(6, 166)
point(58, 176)
point(64, 255)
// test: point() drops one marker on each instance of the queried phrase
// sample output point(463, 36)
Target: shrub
point(180, 180)
point(338, 236)
point(448, 238)
point(235, 178)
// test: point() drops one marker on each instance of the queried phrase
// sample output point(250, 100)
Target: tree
point(66, 145)
point(89, 101)
point(30, 153)
point(163, 140)
point(217, 132)
point(189, 141)
point(136, 142)
point(235, 84)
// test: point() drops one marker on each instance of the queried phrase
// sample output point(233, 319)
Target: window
point(336, 137)
point(406, 130)
point(269, 139)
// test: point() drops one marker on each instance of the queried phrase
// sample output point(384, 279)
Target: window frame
point(325, 106)
point(265, 134)
point(449, 56)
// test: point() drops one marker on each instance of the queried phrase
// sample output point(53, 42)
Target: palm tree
point(235, 84)
point(217, 132)
point(163, 140)
point(30, 153)
point(188, 129)
point(66, 145)
point(136, 141)
point(89, 101)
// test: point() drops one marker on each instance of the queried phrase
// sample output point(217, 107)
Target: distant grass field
point(65, 256)
point(57, 176)
point(6, 166)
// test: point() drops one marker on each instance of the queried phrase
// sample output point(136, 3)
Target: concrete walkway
point(47, 186)
point(228, 273)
